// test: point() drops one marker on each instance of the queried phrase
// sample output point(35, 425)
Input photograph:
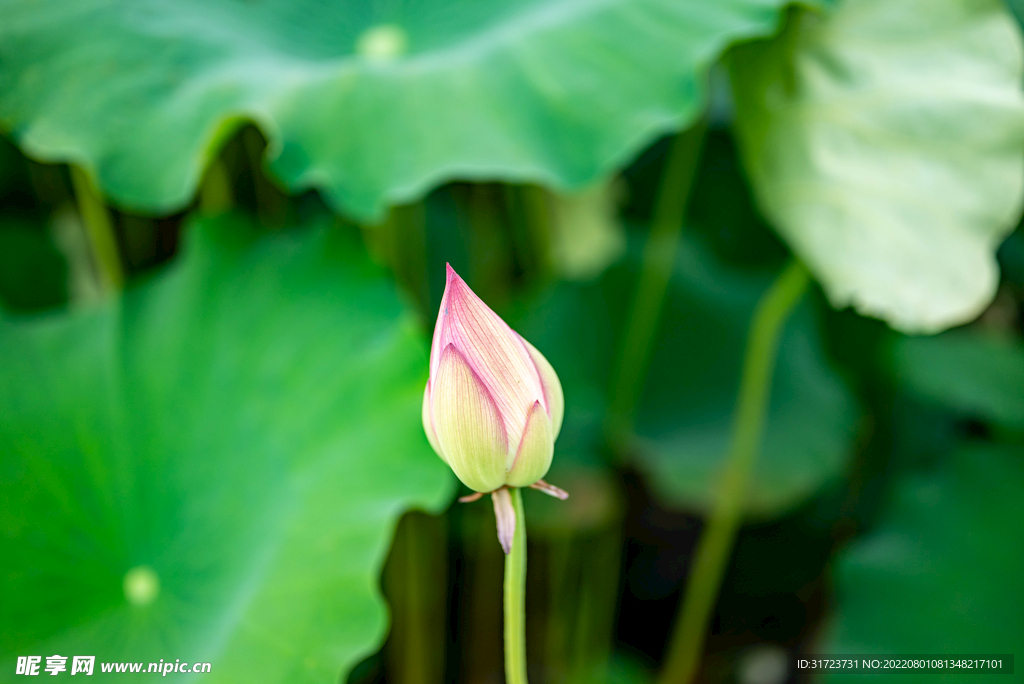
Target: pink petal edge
point(545, 394)
point(519, 449)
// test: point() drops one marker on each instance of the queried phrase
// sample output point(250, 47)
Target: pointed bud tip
point(453, 279)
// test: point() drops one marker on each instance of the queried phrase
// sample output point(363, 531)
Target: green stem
point(215, 196)
point(400, 242)
point(515, 598)
point(687, 642)
point(655, 270)
point(535, 206)
point(415, 572)
point(271, 203)
point(595, 622)
point(100, 230)
point(481, 639)
point(408, 227)
point(561, 577)
point(490, 246)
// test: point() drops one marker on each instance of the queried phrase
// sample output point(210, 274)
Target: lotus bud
point(493, 405)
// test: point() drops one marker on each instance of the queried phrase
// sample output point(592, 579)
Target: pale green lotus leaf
point(885, 141)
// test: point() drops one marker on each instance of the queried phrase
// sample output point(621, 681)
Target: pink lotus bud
point(493, 405)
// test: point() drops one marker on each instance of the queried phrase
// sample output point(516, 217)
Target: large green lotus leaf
point(686, 411)
point(246, 425)
point(941, 573)
point(373, 102)
point(885, 141)
point(980, 375)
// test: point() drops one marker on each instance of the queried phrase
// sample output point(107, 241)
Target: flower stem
point(515, 598)
point(713, 550)
point(100, 230)
point(415, 578)
point(215, 194)
point(655, 270)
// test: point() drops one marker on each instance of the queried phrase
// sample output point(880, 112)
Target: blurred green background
point(223, 230)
